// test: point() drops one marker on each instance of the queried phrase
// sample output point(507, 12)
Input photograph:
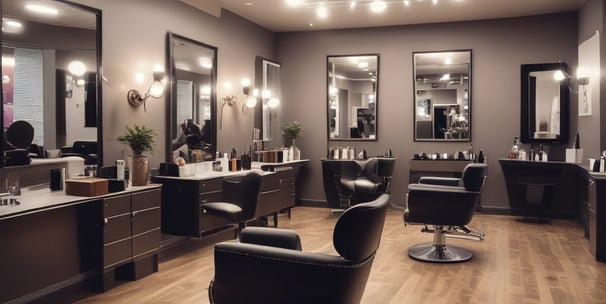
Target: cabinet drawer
point(116, 253)
point(116, 228)
point(208, 197)
point(209, 222)
point(116, 206)
point(146, 200)
point(211, 185)
point(145, 220)
point(270, 182)
point(146, 243)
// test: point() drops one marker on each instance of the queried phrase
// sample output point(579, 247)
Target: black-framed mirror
point(442, 95)
point(352, 96)
point(544, 103)
point(267, 111)
point(192, 115)
point(51, 75)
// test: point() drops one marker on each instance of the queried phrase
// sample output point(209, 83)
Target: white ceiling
point(277, 16)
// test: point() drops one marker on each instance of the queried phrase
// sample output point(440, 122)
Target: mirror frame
point(170, 107)
point(99, 83)
point(527, 116)
point(469, 97)
point(376, 110)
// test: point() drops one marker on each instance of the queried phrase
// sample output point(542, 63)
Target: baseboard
point(495, 210)
point(50, 293)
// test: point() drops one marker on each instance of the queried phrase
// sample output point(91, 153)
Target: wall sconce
point(582, 78)
point(230, 99)
point(77, 69)
point(251, 100)
point(155, 90)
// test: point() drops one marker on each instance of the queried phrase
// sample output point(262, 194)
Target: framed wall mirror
point(353, 97)
point(192, 118)
point(442, 95)
point(544, 103)
point(267, 114)
point(51, 80)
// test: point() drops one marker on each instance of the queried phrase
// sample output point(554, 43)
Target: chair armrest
point(444, 181)
point(282, 238)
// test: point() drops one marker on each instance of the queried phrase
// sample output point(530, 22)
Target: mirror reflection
point(353, 97)
point(192, 65)
point(267, 118)
point(544, 103)
point(442, 91)
point(50, 80)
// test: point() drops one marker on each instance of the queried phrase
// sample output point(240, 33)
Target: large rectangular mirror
point(267, 117)
point(192, 116)
point(544, 108)
point(353, 96)
point(442, 95)
point(50, 77)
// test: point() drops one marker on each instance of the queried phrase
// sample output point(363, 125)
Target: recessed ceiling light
point(407, 2)
point(41, 9)
point(322, 11)
point(294, 2)
point(378, 6)
point(248, 4)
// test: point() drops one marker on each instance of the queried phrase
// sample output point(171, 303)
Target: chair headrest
point(358, 231)
point(473, 176)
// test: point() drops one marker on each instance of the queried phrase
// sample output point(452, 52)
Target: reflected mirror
point(267, 118)
point(442, 95)
point(544, 96)
point(50, 69)
point(353, 96)
point(192, 116)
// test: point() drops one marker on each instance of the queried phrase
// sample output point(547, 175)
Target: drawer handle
point(204, 200)
point(105, 221)
point(591, 182)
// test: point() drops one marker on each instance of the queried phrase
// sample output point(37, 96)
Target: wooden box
point(86, 186)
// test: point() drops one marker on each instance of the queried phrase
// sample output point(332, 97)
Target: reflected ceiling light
point(352, 5)
point(273, 102)
point(378, 6)
point(407, 2)
point(41, 9)
point(333, 91)
point(8, 61)
point(205, 62)
point(11, 26)
point(80, 82)
point(445, 77)
point(6, 79)
point(363, 65)
point(448, 61)
point(434, 2)
point(77, 68)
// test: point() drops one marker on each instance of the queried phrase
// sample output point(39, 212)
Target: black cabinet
point(597, 216)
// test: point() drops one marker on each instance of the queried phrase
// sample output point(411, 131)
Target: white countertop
point(38, 199)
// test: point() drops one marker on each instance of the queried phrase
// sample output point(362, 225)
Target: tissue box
point(574, 156)
point(86, 186)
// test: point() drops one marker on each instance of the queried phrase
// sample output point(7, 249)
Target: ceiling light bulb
point(435, 2)
point(322, 11)
point(378, 6)
point(41, 9)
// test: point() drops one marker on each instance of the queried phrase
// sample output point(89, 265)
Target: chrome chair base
point(439, 253)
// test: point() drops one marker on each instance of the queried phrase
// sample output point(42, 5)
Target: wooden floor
point(516, 263)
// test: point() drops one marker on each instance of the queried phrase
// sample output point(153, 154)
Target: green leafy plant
point(292, 130)
point(139, 138)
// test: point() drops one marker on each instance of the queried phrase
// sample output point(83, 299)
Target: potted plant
point(140, 139)
point(292, 130)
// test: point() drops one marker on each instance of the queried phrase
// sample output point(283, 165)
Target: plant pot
point(140, 170)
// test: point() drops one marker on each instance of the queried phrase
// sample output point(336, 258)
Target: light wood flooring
point(516, 263)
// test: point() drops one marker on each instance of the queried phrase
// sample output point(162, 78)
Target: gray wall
point(134, 38)
point(591, 19)
point(498, 47)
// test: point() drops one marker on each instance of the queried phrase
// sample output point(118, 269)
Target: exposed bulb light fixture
point(77, 68)
point(155, 90)
point(559, 75)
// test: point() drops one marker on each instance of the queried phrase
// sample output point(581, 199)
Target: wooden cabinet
point(183, 198)
point(120, 236)
point(597, 216)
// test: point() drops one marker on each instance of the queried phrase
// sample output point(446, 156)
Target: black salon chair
point(447, 205)
point(17, 139)
point(373, 180)
point(84, 149)
point(267, 265)
point(239, 199)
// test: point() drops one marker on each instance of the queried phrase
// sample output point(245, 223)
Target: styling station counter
point(51, 240)
point(183, 197)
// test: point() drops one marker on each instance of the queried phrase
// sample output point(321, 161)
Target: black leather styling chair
point(240, 198)
point(373, 180)
point(447, 205)
point(82, 148)
point(267, 265)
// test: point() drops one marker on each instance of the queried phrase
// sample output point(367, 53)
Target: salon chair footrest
point(429, 252)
